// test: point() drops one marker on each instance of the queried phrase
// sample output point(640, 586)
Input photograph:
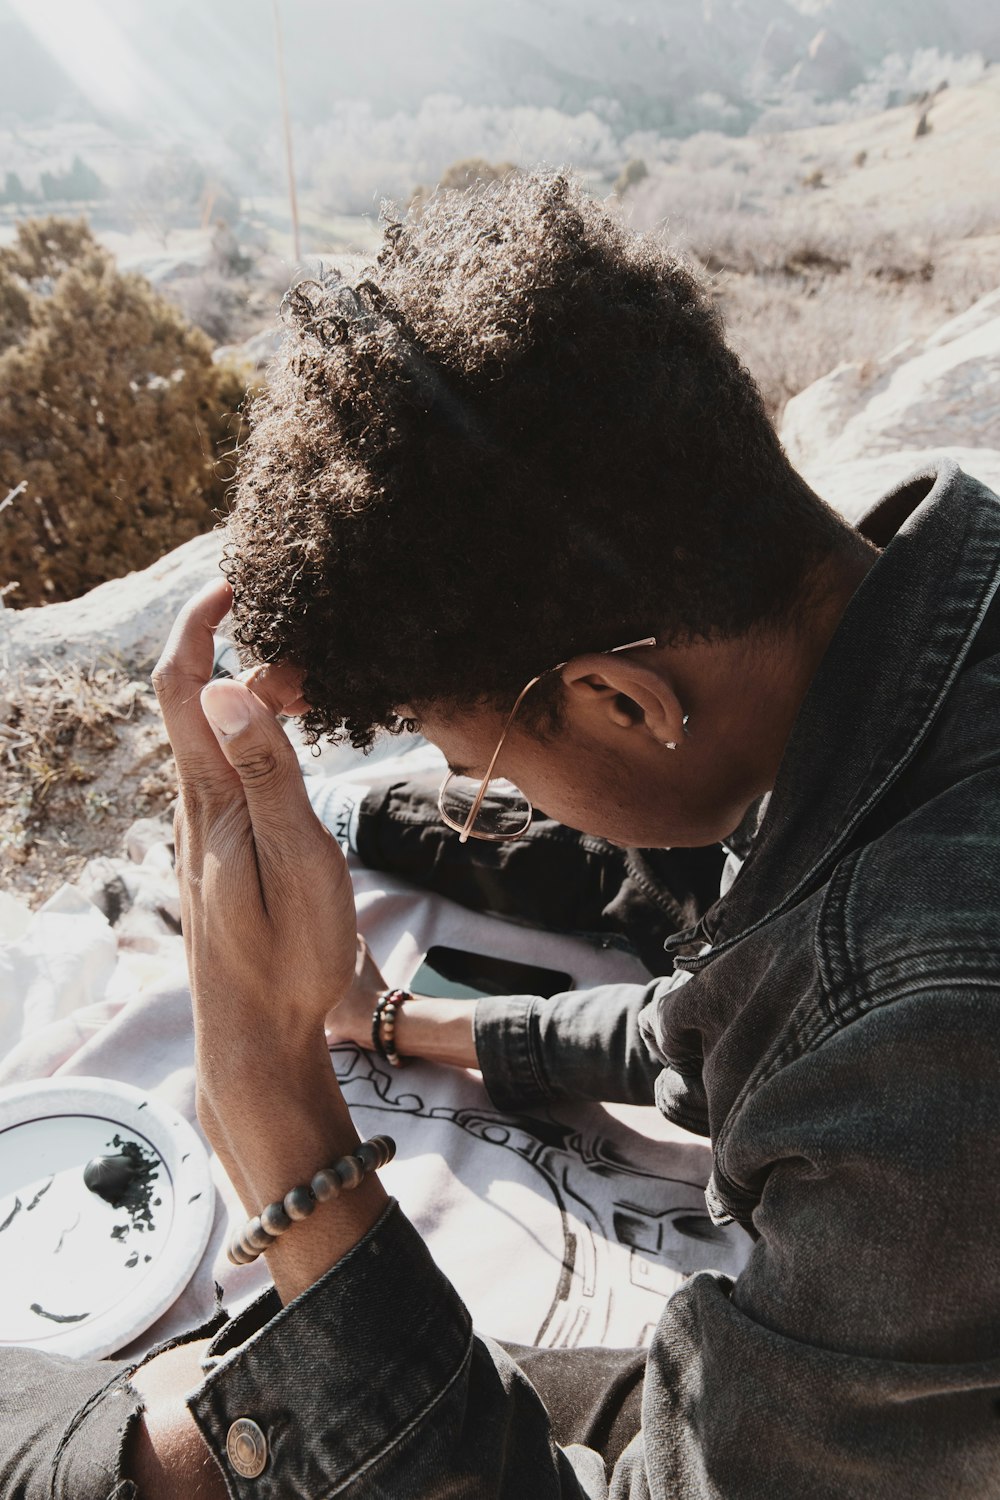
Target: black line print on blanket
point(609, 1236)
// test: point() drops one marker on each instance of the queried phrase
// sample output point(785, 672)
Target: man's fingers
point(297, 708)
point(258, 750)
point(178, 677)
point(278, 687)
point(190, 646)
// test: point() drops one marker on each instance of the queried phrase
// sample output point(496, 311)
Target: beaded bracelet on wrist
point(377, 1028)
point(384, 1016)
point(259, 1233)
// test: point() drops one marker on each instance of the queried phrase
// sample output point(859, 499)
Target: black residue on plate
point(12, 1215)
point(40, 1194)
point(58, 1317)
point(143, 1104)
point(65, 1232)
point(194, 1197)
point(136, 1197)
point(133, 1259)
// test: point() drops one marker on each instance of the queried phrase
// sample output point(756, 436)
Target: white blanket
point(568, 1226)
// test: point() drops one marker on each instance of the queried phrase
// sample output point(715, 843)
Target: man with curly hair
point(513, 487)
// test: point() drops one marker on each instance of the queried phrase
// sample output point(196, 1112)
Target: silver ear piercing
point(672, 744)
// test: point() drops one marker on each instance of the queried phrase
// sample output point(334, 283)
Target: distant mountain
point(644, 60)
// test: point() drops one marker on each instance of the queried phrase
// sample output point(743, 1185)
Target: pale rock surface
point(943, 394)
point(126, 622)
point(127, 619)
point(857, 432)
point(255, 353)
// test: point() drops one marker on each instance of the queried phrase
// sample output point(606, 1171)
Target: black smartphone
point(467, 976)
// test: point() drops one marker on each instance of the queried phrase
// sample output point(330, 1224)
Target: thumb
point(259, 752)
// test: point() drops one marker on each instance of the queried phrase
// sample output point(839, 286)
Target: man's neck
point(743, 696)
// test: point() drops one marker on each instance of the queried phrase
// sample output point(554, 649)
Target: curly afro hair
point(518, 436)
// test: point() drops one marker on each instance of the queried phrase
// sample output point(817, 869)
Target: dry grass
point(836, 243)
point(803, 291)
point(794, 326)
point(84, 754)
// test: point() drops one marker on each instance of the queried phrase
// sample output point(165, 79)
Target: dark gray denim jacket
point(834, 1024)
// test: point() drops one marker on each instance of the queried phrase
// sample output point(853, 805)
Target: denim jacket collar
point(878, 690)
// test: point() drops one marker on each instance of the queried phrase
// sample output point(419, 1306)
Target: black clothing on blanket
point(552, 877)
point(593, 1396)
point(65, 1426)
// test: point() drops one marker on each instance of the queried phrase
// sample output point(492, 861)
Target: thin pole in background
point(289, 159)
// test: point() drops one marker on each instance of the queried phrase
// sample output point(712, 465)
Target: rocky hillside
point(80, 732)
point(842, 241)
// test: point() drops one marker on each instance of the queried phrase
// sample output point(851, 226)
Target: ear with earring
point(672, 744)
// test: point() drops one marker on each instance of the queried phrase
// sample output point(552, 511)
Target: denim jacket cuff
point(299, 1372)
point(505, 1028)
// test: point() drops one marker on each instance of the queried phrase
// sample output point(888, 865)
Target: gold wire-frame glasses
point(461, 807)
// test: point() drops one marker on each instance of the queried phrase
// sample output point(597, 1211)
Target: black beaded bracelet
point(377, 1028)
point(260, 1232)
point(384, 1025)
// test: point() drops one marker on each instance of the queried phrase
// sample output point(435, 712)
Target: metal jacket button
point(247, 1448)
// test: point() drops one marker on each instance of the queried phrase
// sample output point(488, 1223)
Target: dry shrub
point(213, 303)
point(789, 337)
point(113, 417)
point(470, 174)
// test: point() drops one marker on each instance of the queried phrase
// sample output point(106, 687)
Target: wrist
point(388, 1010)
point(230, 1059)
point(251, 1082)
point(437, 1030)
point(277, 1117)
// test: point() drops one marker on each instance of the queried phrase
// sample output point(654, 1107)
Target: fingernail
point(226, 707)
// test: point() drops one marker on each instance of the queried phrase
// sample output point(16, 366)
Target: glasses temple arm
point(463, 837)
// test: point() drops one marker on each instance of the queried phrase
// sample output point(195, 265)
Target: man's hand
point(351, 1019)
point(266, 900)
point(267, 912)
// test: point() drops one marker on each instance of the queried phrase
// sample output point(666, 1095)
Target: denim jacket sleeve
point(450, 1414)
point(853, 1357)
point(585, 1044)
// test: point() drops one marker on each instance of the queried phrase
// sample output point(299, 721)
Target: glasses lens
point(504, 812)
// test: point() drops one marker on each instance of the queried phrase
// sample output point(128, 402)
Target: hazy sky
point(200, 65)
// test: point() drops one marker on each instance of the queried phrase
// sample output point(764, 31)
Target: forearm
point(372, 1382)
point(274, 1113)
point(437, 1030)
point(584, 1044)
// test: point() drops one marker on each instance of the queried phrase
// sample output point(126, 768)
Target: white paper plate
point(78, 1276)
